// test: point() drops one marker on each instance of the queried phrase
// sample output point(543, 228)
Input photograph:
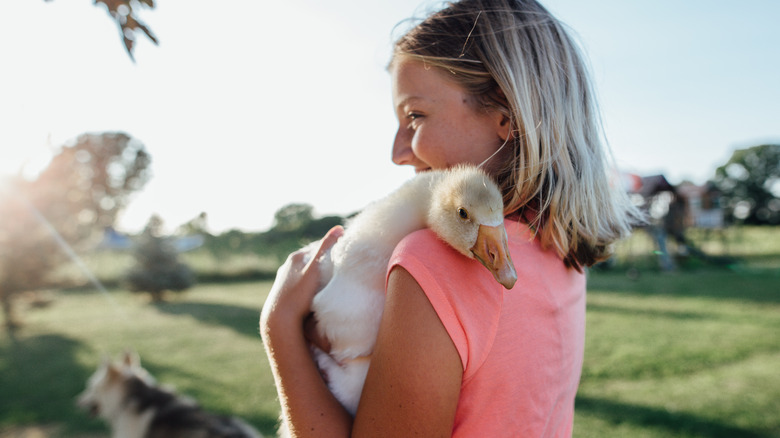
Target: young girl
point(497, 83)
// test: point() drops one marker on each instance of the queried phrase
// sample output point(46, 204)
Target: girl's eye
point(414, 119)
point(463, 213)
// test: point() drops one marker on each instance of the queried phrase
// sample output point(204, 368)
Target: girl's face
point(439, 124)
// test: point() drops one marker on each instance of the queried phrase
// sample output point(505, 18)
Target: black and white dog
point(128, 398)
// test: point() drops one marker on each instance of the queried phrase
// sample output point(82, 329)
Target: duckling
point(462, 205)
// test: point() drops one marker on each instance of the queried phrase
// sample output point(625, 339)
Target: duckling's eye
point(463, 213)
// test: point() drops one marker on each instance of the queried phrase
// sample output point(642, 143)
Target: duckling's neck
point(402, 212)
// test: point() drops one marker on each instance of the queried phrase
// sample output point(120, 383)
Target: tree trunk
point(6, 299)
point(157, 296)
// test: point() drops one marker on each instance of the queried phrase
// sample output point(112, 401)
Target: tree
point(125, 13)
point(750, 183)
point(61, 212)
point(157, 266)
point(197, 225)
point(293, 217)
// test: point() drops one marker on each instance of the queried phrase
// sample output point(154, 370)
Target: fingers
point(328, 241)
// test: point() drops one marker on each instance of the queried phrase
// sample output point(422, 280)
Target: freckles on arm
point(308, 407)
point(415, 376)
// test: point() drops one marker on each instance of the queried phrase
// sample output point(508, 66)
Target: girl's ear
point(504, 127)
point(501, 117)
point(502, 124)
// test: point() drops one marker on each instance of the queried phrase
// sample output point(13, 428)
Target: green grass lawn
point(693, 353)
point(205, 343)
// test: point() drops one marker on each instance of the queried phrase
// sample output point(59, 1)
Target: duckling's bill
point(492, 250)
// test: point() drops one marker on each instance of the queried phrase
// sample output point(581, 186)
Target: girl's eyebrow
point(407, 100)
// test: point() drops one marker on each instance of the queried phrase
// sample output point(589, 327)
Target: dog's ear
point(131, 359)
point(113, 372)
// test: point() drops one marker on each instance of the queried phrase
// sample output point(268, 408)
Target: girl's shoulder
point(434, 263)
point(429, 249)
point(463, 293)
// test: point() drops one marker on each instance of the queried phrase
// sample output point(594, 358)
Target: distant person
point(500, 83)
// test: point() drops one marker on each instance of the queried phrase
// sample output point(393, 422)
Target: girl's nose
point(402, 148)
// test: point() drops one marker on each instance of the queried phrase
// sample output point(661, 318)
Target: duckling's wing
point(348, 310)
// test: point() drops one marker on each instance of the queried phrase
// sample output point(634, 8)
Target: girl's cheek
point(415, 143)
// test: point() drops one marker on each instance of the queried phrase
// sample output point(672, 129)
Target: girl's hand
point(297, 281)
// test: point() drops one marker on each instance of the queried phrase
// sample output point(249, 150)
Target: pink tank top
point(521, 349)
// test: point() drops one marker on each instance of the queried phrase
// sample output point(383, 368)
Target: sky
point(247, 106)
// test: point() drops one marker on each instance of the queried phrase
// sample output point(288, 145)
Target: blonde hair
point(515, 57)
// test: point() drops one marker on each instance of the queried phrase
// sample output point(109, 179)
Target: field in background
point(689, 353)
point(686, 354)
point(205, 343)
point(748, 247)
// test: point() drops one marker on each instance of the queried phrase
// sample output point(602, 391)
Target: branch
point(124, 12)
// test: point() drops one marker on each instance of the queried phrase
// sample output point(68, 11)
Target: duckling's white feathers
point(349, 307)
point(470, 189)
